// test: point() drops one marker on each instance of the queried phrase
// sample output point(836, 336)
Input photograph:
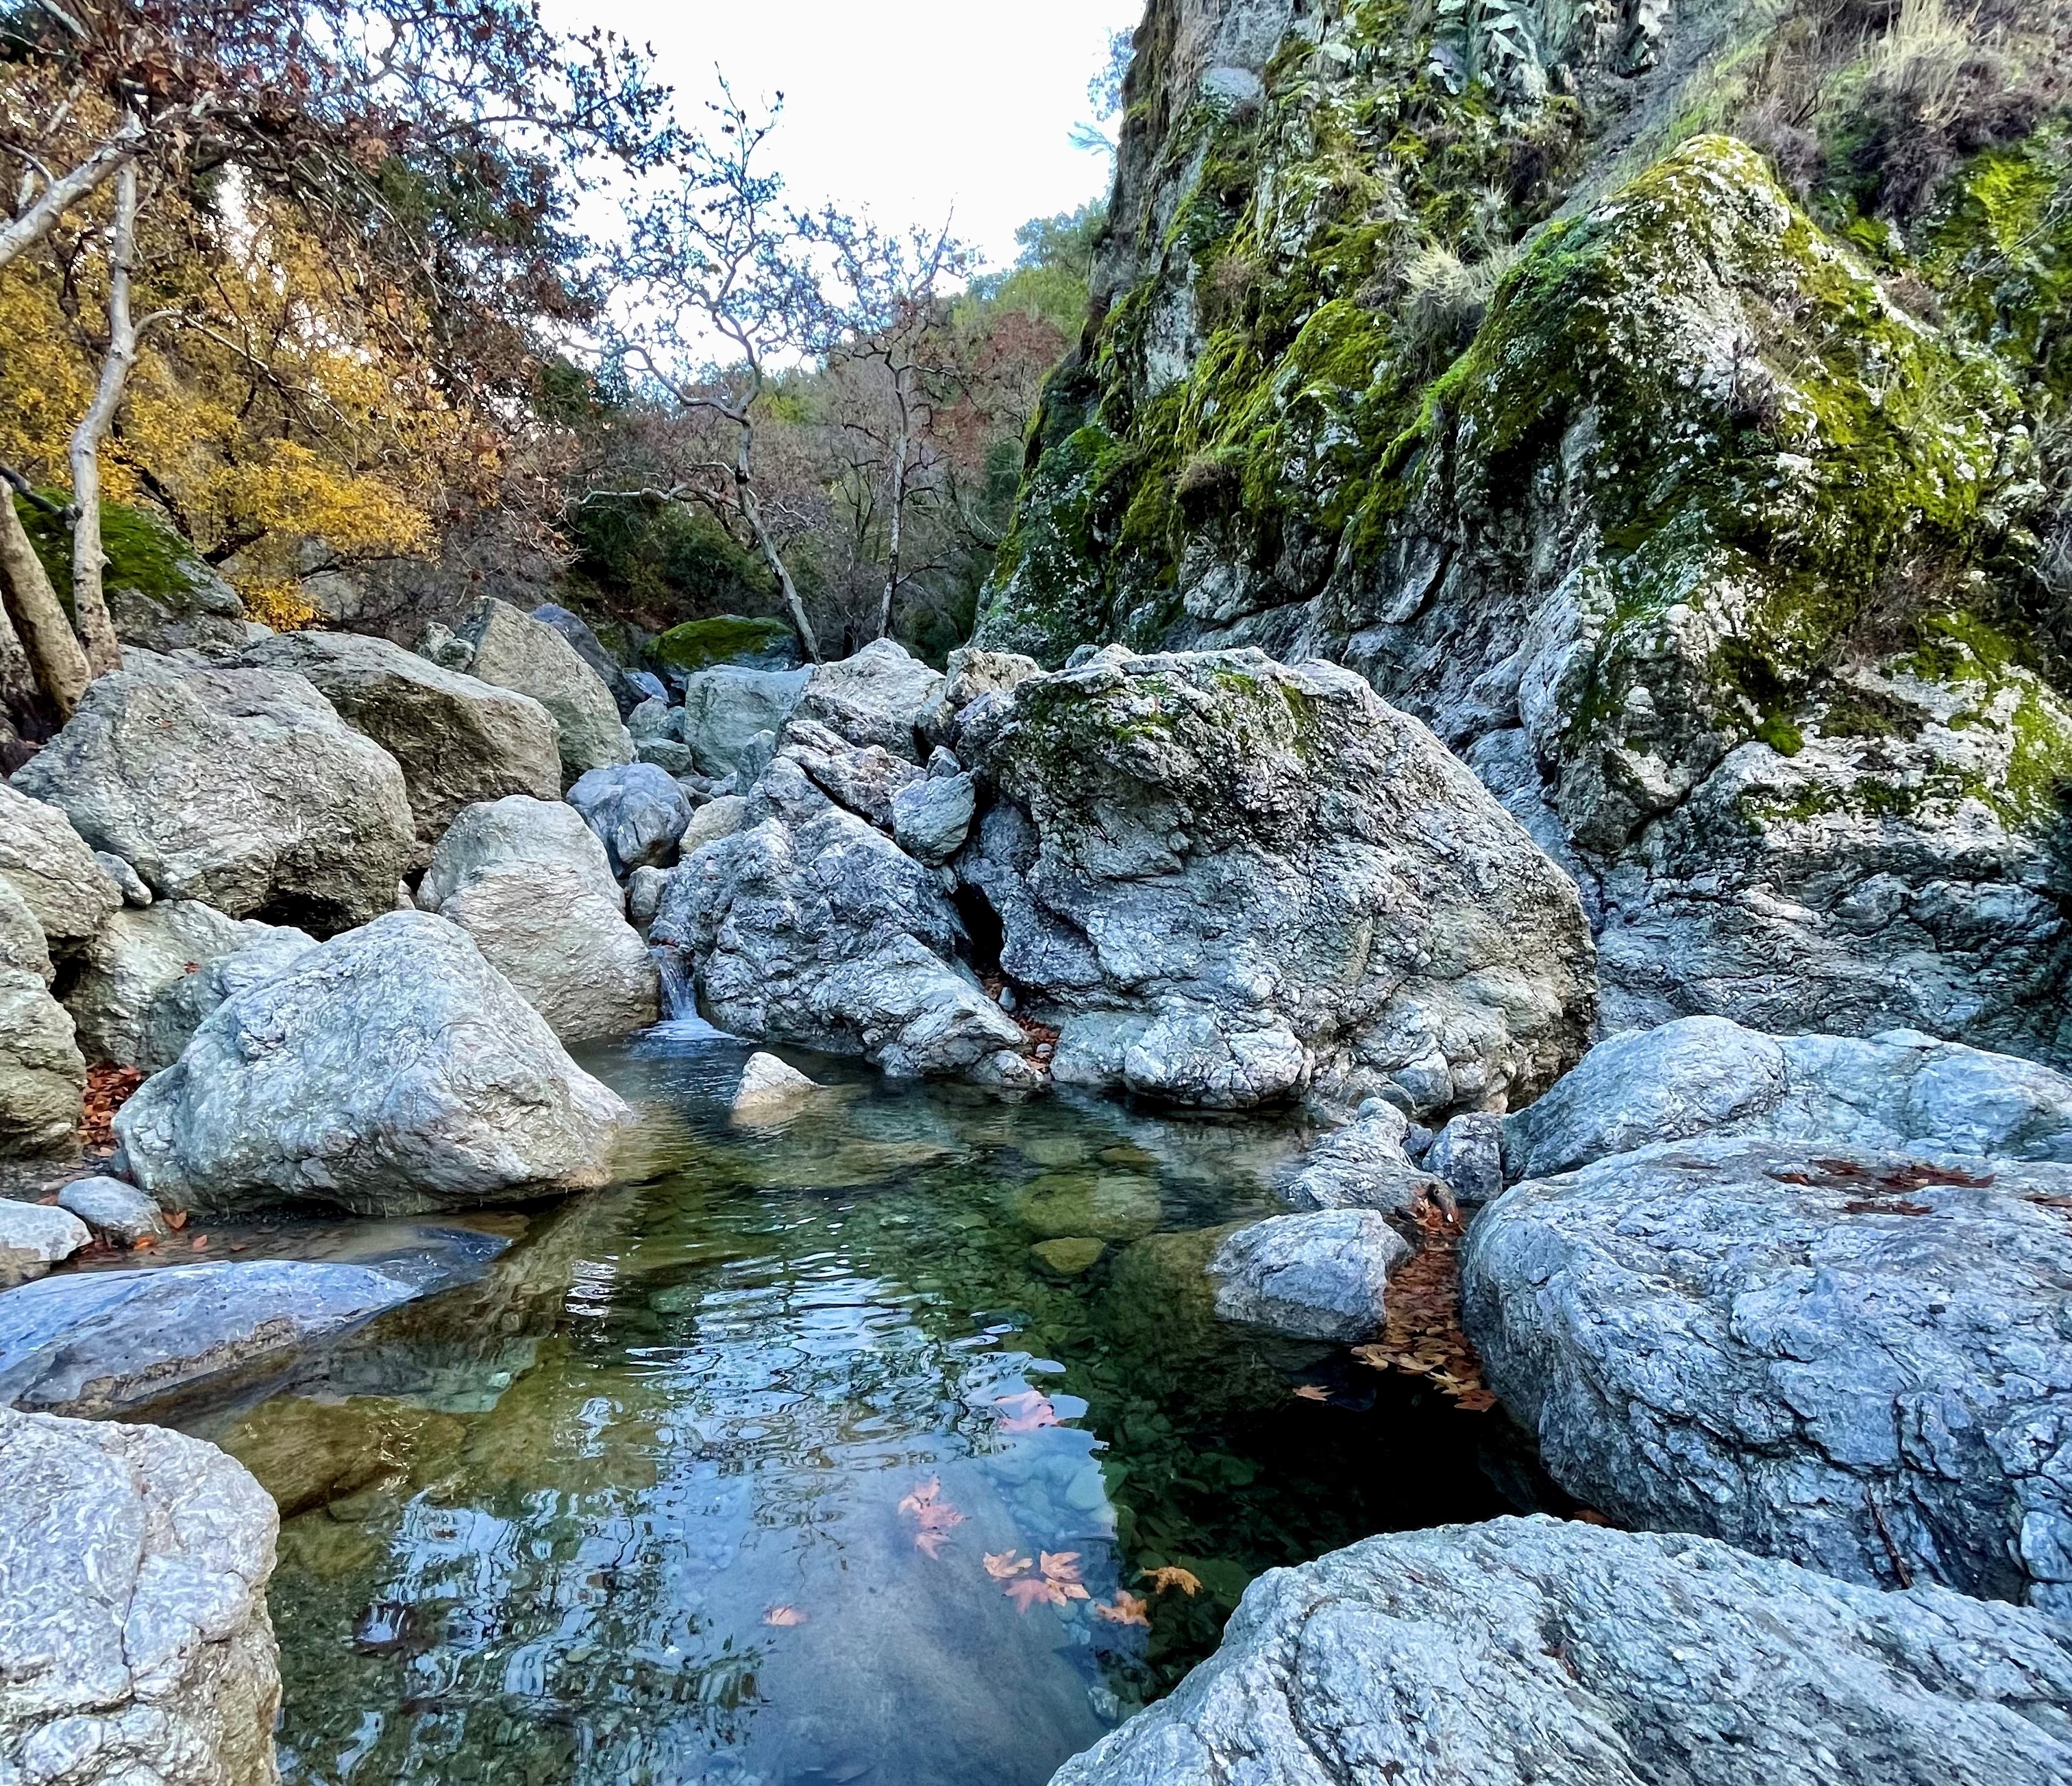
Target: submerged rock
point(1534, 1652)
point(391, 1071)
point(308, 1454)
point(1227, 880)
point(515, 651)
point(1321, 1275)
point(1854, 1360)
point(34, 1236)
point(134, 1643)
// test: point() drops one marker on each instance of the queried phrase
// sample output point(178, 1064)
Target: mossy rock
point(307, 1455)
point(726, 639)
point(143, 552)
point(1072, 1255)
point(1110, 1206)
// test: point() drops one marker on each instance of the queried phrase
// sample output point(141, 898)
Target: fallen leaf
point(1004, 1566)
point(143, 1243)
point(199, 1243)
point(783, 1617)
point(1172, 1575)
point(1313, 1392)
point(1061, 1568)
point(923, 1497)
point(1129, 1609)
point(1035, 1590)
point(934, 1516)
point(176, 1218)
point(1028, 1412)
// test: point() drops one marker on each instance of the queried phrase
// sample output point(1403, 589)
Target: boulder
point(1539, 1652)
point(725, 640)
point(725, 708)
point(769, 1088)
point(867, 781)
point(140, 956)
point(716, 819)
point(239, 788)
point(656, 718)
point(666, 754)
point(180, 1009)
point(647, 686)
point(34, 1236)
point(504, 834)
point(118, 1213)
point(644, 896)
point(1704, 1075)
point(930, 819)
point(1366, 1166)
point(22, 945)
point(1228, 881)
point(189, 605)
point(810, 926)
point(1321, 1275)
point(1857, 1360)
point(391, 1070)
point(1468, 1153)
point(587, 646)
point(43, 1075)
point(135, 1648)
point(458, 739)
point(515, 651)
point(974, 674)
point(53, 870)
point(881, 696)
point(638, 812)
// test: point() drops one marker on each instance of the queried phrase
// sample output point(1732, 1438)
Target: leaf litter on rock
point(1422, 1335)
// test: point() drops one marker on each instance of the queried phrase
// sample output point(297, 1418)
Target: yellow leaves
point(281, 606)
point(1125, 1609)
point(291, 490)
point(1172, 1575)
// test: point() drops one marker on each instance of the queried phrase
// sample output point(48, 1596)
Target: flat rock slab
point(134, 1643)
point(1860, 1362)
point(1558, 1654)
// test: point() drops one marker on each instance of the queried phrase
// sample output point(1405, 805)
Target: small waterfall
point(681, 1020)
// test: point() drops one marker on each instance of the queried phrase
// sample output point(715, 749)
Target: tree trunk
point(901, 447)
point(744, 490)
point(90, 601)
point(63, 193)
point(46, 636)
point(22, 704)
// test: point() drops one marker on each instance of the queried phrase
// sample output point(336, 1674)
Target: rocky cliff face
point(1711, 502)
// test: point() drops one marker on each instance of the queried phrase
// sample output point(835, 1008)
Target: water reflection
point(834, 1451)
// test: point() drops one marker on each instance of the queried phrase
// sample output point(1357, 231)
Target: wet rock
point(393, 1070)
point(308, 1454)
point(43, 1074)
point(52, 869)
point(769, 1088)
point(866, 781)
point(1321, 1275)
point(241, 788)
point(1858, 1360)
point(1365, 1165)
point(459, 740)
point(1704, 1074)
point(1468, 1153)
point(34, 1236)
point(1205, 872)
point(881, 696)
point(118, 1213)
point(1106, 1206)
point(931, 819)
point(1564, 1654)
point(725, 708)
point(638, 812)
point(127, 882)
point(515, 651)
point(134, 1643)
point(1070, 1255)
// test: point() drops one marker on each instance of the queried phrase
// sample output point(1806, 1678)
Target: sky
point(914, 110)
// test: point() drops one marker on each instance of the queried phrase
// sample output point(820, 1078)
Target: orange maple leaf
point(1004, 1566)
point(1030, 1591)
point(1172, 1575)
point(1129, 1609)
point(923, 1497)
point(1061, 1568)
point(935, 1517)
point(784, 1616)
point(1027, 1412)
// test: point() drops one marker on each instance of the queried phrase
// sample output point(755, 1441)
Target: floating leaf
point(1004, 1566)
point(1027, 1412)
point(1062, 1568)
point(1127, 1609)
point(783, 1617)
point(934, 1517)
point(1172, 1575)
point(1313, 1392)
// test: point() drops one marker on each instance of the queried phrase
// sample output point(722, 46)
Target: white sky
point(909, 110)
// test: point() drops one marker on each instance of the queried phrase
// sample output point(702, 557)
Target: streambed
point(849, 1449)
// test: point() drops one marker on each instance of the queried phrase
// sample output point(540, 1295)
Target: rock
point(974, 673)
point(43, 1075)
point(1704, 1074)
point(1070, 1257)
point(1321, 1275)
point(931, 819)
point(667, 755)
point(180, 1008)
point(515, 651)
point(865, 781)
point(655, 718)
point(134, 1643)
point(1468, 1153)
point(881, 696)
point(307, 1454)
point(139, 957)
point(239, 788)
point(58, 878)
point(643, 896)
point(590, 649)
point(1227, 880)
point(440, 645)
point(647, 686)
point(1558, 1653)
point(751, 761)
point(1086, 1205)
point(809, 927)
point(769, 1088)
point(716, 819)
point(188, 607)
point(638, 812)
point(393, 1070)
point(133, 891)
point(21, 945)
point(118, 1213)
point(504, 833)
point(34, 1236)
point(1857, 1360)
point(724, 709)
point(725, 640)
point(459, 740)
point(1364, 1166)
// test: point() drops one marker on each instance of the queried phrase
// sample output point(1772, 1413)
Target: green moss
point(143, 552)
point(727, 638)
point(1780, 735)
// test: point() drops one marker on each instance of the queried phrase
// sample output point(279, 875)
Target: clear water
point(701, 1482)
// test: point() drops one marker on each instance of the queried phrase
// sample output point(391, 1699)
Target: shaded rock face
point(1230, 881)
point(241, 788)
point(393, 1070)
point(809, 925)
point(1854, 1359)
point(51, 869)
point(1720, 564)
point(43, 1074)
point(193, 609)
point(457, 739)
point(1564, 1654)
point(1705, 1076)
point(134, 1643)
point(587, 646)
point(515, 651)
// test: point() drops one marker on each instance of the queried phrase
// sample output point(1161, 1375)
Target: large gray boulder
point(1858, 1360)
point(515, 651)
point(240, 787)
point(1321, 1275)
point(637, 811)
point(1228, 881)
point(532, 885)
point(51, 868)
point(881, 696)
point(866, 780)
point(1537, 1653)
point(135, 1649)
point(144, 958)
point(43, 1074)
point(1705, 1076)
point(725, 708)
point(809, 925)
point(391, 1070)
point(458, 739)
point(34, 1236)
